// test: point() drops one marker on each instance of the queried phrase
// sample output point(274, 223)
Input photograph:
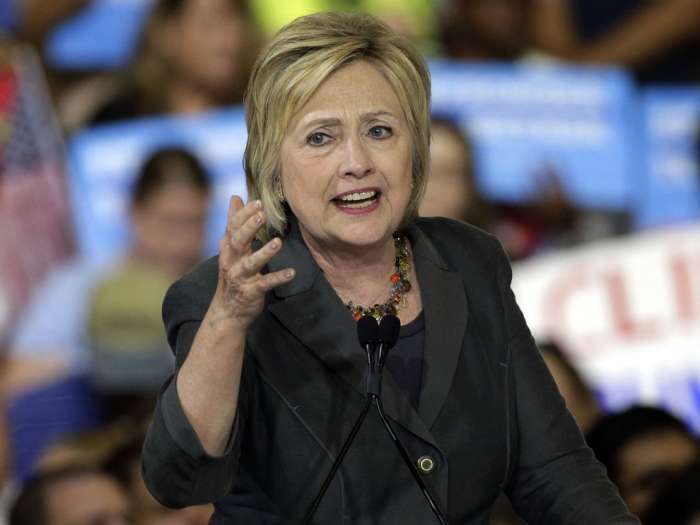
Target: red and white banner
point(627, 311)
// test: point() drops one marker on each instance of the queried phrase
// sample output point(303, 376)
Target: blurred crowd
point(83, 360)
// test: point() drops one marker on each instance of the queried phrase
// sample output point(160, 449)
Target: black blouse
point(405, 362)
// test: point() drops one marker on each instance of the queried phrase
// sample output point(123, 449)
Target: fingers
point(271, 280)
point(238, 213)
point(243, 224)
point(241, 237)
point(252, 264)
point(242, 286)
point(234, 204)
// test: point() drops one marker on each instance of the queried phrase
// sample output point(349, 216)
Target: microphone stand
point(336, 464)
point(377, 347)
point(409, 463)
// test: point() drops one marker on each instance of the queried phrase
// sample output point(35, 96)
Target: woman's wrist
point(223, 319)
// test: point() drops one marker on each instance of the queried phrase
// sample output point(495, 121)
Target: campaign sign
point(103, 35)
point(671, 192)
point(104, 161)
point(627, 312)
point(528, 121)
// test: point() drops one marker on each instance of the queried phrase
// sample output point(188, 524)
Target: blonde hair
point(298, 59)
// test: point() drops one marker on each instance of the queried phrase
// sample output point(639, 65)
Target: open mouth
point(358, 199)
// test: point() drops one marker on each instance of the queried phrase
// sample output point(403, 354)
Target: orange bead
point(395, 278)
point(357, 316)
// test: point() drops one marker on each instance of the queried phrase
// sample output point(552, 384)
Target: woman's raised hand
point(241, 288)
point(209, 379)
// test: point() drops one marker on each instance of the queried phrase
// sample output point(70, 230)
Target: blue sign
point(671, 123)
point(104, 161)
point(103, 35)
point(526, 121)
point(585, 125)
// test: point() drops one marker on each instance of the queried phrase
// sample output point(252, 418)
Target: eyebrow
point(379, 113)
point(324, 121)
point(333, 121)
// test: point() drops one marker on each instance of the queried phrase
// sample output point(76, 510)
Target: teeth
point(359, 196)
point(356, 205)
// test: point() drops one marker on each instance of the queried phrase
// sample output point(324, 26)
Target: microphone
point(377, 339)
point(369, 338)
point(389, 329)
point(367, 331)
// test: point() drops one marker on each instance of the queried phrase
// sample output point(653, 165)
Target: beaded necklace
point(400, 285)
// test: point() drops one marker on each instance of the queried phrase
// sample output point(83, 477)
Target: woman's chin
point(341, 231)
point(364, 235)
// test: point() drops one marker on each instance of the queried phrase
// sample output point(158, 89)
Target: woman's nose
point(357, 161)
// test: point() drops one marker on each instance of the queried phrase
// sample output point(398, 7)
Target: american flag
point(34, 210)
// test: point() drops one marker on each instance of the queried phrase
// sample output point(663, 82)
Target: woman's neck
point(186, 98)
point(360, 275)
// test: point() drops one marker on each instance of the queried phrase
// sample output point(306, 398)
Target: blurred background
point(568, 128)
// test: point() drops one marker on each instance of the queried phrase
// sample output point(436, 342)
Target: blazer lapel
point(446, 312)
point(311, 310)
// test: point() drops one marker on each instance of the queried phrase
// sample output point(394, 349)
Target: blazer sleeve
point(555, 479)
point(176, 469)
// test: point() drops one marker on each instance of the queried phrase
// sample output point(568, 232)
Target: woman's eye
point(317, 139)
point(380, 132)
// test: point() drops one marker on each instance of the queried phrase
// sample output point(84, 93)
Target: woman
point(452, 190)
point(194, 56)
point(53, 352)
point(270, 375)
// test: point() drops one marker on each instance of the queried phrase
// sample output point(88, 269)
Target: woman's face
point(208, 41)
point(449, 192)
point(169, 227)
point(346, 161)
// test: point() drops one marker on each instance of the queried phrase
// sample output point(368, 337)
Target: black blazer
point(489, 415)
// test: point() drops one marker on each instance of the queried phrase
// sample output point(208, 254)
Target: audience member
point(168, 214)
point(658, 41)
point(93, 448)
point(485, 29)
point(452, 190)
point(195, 55)
point(643, 448)
point(75, 93)
point(415, 19)
point(52, 342)
point(125, 465)
point(116, 449)
point(580, 399)
point(71, 496)
point(548, 221)
point(678, 503)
